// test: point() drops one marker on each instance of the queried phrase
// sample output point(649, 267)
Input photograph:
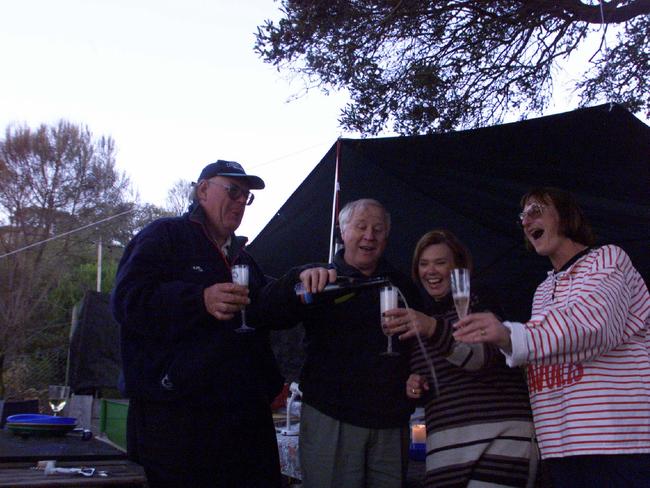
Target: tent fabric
point(94, 361)
point(470, 182)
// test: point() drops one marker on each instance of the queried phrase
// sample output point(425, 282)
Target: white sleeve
point(519, 343)
point(608, 305)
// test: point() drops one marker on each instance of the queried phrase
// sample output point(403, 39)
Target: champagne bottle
point(343, 288)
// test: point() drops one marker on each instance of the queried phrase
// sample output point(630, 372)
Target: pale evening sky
point(175, 83)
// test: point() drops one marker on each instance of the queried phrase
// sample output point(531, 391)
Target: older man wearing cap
point(199, 391)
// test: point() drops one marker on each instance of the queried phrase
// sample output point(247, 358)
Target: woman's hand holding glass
point(483, 327)
point(407, 323)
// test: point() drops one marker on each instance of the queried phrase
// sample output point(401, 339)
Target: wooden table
point(19, 454)
point(119, 473)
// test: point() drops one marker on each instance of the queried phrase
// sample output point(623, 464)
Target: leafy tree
point(425, 66)
point(70, 289)
point(53, 180)
point(178, 197)
point(74, 284)
point(133, 217)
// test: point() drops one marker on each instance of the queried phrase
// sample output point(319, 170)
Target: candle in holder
point(418, 434)
point(418, 447)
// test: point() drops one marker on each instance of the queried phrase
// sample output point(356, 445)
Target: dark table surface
point(117, 473)
point(69, 447)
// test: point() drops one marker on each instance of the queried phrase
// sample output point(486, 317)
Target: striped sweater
point(587, 347)
point(479, 428)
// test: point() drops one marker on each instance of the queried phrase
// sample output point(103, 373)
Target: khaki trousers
point(334, 454)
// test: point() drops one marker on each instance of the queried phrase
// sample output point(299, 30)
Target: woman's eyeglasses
point(531, 211)
point(234, 192)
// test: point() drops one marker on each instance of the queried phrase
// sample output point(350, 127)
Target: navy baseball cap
point(230, 169)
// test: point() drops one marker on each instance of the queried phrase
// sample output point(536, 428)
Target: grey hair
point(346, 213)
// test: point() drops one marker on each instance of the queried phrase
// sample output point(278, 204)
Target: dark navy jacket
point(344, 374)
point(172, 348)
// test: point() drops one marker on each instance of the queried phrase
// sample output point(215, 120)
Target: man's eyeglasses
point(234, 192)
point(531, 211)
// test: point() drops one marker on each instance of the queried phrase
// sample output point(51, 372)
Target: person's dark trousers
point(611, 471)
point(203, 446)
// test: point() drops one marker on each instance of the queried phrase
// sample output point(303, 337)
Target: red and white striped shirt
point(587, 351)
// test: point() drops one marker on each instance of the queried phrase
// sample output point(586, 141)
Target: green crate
point(112, 420)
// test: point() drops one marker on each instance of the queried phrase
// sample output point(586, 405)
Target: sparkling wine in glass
point(240, 277)
point(387, 301)
point(460, 290)
point(58, 397)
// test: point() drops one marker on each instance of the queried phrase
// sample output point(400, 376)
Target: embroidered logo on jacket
point(198, 269)
point(550, 377)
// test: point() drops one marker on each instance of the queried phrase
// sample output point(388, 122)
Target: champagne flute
point(387, 301)
point(58, 397)
point(240, 277)
point(460, 290)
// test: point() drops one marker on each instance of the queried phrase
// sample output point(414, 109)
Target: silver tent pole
point(335, 202)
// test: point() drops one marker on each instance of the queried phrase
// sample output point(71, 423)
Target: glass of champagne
point(58, 397)
point(460, 290)
point(387, 301)
point(240, 277)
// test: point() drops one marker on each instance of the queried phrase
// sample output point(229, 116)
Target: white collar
point(226, 246)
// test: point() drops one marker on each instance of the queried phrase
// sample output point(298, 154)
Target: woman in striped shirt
point(479, 425)
point(586, 348)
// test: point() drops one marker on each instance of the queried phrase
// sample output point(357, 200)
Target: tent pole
point(99, 264)
point(335, 202)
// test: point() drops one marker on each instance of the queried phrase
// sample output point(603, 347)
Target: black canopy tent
point(470, 182)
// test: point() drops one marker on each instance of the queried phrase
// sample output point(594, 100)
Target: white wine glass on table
point(387, 301)
point(240, 277)
point(460, 290)
point(57, 397)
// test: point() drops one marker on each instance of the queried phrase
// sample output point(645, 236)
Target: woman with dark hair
point(479, 426)
point(586, 348)
point(572, 223)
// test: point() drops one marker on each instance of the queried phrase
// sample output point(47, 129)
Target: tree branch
point(612, 12)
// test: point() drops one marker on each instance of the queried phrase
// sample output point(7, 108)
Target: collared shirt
point(226, 246)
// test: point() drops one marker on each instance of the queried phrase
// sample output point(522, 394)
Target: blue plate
point(43, 425)
point(40, 429)
point(40, 420)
